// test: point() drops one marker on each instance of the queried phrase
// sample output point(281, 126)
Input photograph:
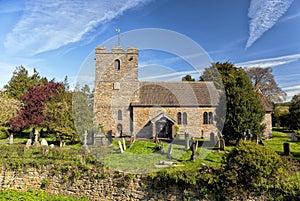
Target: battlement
point(116, 49)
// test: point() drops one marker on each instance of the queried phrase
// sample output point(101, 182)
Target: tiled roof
point(177, 94)
point(265, 102)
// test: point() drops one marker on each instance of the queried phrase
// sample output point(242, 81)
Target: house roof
point(177, 94)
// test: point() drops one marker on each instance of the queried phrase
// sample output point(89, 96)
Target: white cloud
point(49, 25)
point(264, 14)
point(270, 62)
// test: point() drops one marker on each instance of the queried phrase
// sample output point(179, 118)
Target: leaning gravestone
point(28, 144)
point(121, 147)
point(124, 144)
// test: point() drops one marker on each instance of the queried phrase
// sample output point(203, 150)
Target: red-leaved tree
point(31, 115)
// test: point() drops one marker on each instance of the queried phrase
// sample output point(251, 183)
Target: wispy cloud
point(270, 62)
point(264, 14)
point(49, 25)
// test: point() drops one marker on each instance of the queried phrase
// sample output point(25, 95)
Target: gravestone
point(99, 139)
point(44, 142)
point(193, 148)
point(187, 141)
point(28, 144)
point(11, 138)
point(109, 137)
point(222, 144)
point(212, 139)
point(294, 138)
point(170, 149)
point(286, 149)
point(120, 146)
point(36, 138)
point(124, 145)
point(85, 146)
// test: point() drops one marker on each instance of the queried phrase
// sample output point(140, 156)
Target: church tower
point(115, 84)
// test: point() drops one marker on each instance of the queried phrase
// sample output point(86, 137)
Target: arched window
point(205, 118)
point(184, 118)
point(210, 118)
point(119, 114)
point(117, 64)
point(179, 118)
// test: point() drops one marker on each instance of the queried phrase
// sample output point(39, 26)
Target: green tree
point(188, 78)
point(21, 81)
point(83, 102)
point(244, 109)
point(212, 74)
point(294, 116)
point(9, 108)
point(58, 116)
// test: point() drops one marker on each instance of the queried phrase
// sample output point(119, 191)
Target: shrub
point(4, 132)
point(253, 168)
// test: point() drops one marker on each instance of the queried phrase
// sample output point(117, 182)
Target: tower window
point(117, 64)
point(184, 118)
point(119, 114)
point(179, 118)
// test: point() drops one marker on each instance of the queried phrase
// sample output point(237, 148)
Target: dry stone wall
point(92, 184)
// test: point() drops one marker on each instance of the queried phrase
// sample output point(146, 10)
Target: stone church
point(127, 107)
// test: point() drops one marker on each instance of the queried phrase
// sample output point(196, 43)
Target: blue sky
point(57, 36)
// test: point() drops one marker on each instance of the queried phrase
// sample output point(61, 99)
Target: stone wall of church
point(268, 122)
point(143, 115)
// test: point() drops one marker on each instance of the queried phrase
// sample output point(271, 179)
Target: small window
point(119, 114)
point(117, 64)
point(210, 118)
point(184, 118)
point(205, 118)
point(179, 118)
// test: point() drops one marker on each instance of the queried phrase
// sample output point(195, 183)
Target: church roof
point(177, 94)
point(268, 107)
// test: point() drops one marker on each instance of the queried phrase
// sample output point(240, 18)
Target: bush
point(4, 132)
point(253, 168)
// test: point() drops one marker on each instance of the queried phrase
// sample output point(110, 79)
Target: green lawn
point(276, 143)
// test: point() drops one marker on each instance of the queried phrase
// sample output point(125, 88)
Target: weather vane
point(118, 31)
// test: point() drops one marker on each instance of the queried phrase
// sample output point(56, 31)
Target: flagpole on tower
point(118, 31)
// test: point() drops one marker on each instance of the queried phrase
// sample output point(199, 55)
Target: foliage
point(254, 168)
point(263, 80)
point(14, 195)
point(82, 106)
point(9, 108)
point(280, 116)
point(244, 108)
point(294, 110)
point(58, 116)
point(21, 81)
point(212, 74)
point(31, 114)
point(188, 78)
point(4, 132)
